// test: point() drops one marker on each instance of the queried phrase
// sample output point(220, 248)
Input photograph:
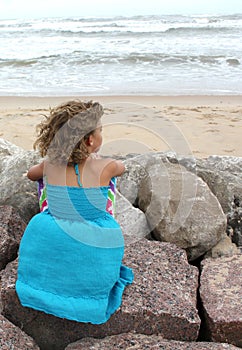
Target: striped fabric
point(110, 208)
point(43, 204)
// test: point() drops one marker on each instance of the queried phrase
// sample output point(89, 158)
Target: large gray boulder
point(179, 206)
point(223, 174)
point(11, 231)
point(15, 188)
point(12, 338)
point(221, 292)
point(141, 342)
point(161, 300)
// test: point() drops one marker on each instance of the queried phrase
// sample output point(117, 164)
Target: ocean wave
point(79, 58)
point(114, 26)
point(17, 63)
point(203, 29)
point(141, 53)
point(113, 32)
point(27, 62)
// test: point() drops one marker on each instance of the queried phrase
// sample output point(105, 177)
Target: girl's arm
point(36, 172)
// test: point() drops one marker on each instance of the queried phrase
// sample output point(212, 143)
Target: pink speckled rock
point(221, 295)
point(169, 307)
point(11, 337)
point(11, 231)
point(162, 300)
point(140, 342)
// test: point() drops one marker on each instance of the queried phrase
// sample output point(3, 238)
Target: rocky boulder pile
point(180, 234)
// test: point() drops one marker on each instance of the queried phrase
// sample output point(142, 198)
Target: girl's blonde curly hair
point(63, 134)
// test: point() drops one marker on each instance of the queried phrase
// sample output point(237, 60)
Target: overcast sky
point(10, 9)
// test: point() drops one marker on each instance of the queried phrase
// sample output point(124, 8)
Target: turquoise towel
point(70, 257)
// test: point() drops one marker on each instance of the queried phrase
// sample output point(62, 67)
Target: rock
point(221, 292)
point(179, 206)
point(11, 231)
point(141, 342)
point(128, 184)
point(13, 338)
point(225, 247)
point(15, 188)
point(234, 222)
point(131, 220)
point(223, 176)
point(161, 300)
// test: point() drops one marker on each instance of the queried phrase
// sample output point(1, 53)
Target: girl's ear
point(89, 141)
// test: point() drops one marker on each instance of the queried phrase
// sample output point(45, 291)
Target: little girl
point(70, 256)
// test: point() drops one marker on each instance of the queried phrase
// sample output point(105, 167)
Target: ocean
point(142, 55)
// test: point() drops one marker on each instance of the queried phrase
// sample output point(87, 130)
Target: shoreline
point(45, 101)
point(200, 125)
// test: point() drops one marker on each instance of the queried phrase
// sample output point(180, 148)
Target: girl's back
point(70, 256)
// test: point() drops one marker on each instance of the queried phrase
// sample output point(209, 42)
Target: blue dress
point(70, 257)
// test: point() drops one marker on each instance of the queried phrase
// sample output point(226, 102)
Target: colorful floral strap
point(110, 208)
point(43, 204)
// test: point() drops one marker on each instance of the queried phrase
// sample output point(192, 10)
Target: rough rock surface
point(224, 247)
point(12, 338)
point(131, 220)
point(161, 300)
point(140, 342)
point(234, 220)
point(11, 230)
point(221, 292)
point(15, 188)
point(179, 206)
point(223, 176)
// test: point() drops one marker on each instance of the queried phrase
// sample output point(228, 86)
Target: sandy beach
point(188, 125)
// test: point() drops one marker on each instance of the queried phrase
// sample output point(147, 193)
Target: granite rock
point(12, 338)
point(131, 220)
point(129, 183)
point(223, 176)
point(140, 342)
point(15, 188)
point(161, 300)
point(224, 247)
point(220, 293)
point(234, 222)
point(179, 206)
point(11, 230)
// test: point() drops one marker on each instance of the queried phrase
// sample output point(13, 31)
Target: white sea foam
point(137, 55)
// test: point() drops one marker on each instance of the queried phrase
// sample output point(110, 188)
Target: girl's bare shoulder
point(112, 166)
